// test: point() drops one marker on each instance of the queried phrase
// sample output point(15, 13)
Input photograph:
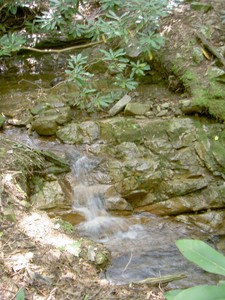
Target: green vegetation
point(209, 260)
point(20, 294)
point(65, 226)
point(211, 99)
point(120, 24)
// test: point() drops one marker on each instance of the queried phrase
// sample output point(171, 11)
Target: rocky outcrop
point(167, 167)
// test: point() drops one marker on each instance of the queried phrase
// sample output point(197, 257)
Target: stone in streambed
point(119, 106)
point(48, 122)
point(135, 108)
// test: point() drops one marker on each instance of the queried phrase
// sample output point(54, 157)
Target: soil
point(43, 271)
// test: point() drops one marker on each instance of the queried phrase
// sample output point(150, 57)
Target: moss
point(211, 99)
point(189, 79)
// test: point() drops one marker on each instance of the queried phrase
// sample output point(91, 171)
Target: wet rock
point(119, 130)
point(45, 125)
point(210, 221)
point(166, 167)
point(187, 106)
point(117, 204)
point(134, 172)
point(70, 134)
point(136, 108)
point(91, 132)
point(48, 121)
point(198, 200)
point(39, 108)
point(50, 196)
point(119, 106)
point(74, 133)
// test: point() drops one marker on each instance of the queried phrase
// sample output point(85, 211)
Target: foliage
point(111, 4)
point(10, 43)
point(122, 23)
point(76, 71)
point(209, 260)
point(66, 226)
point(20, 294)
point(139, 19)
point(89, 98)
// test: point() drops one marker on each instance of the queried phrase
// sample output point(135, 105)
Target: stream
point(142, 244)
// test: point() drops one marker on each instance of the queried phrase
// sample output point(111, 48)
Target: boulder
point(119, 106)
point(136, 108)
point(50, 196)
point(48, 121)
point(74, 133)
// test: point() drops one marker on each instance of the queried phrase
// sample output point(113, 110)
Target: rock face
point(77, 133)
point(167, 167)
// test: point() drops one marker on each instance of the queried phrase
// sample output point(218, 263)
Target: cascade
point(89, 201)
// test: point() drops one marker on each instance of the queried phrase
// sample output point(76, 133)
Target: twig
point(131, 256)
point(210, 47)
point(6, 226)
point(28, 81)
point(61, 50)
point(163, 280)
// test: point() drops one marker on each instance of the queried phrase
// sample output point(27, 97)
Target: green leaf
point(171, 294)
point(20, 295)
point(202, 255)
point(202, 292)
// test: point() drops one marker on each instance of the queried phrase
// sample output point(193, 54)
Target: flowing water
point(99, 224)
point(142, 245)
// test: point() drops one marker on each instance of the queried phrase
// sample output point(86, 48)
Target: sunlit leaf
point(20, 295)
point(202, 292)
point(202, 255)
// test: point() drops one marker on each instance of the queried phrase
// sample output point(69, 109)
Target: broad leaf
point(20, 295)
point(171, 294)
point(202, 292)
point(202, 255)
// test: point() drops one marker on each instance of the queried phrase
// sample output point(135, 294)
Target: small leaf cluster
point(111, 4)
point(91, 99)
point(76, 71)
point(11, 43)
point(209, 260)
point(88, 98)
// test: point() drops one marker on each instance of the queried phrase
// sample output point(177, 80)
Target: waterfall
point(89, 201)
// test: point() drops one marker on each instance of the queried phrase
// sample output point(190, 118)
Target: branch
point(61, 50)
point(163, 280)
point(210, 47)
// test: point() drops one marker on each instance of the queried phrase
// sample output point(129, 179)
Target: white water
point(98, 224)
